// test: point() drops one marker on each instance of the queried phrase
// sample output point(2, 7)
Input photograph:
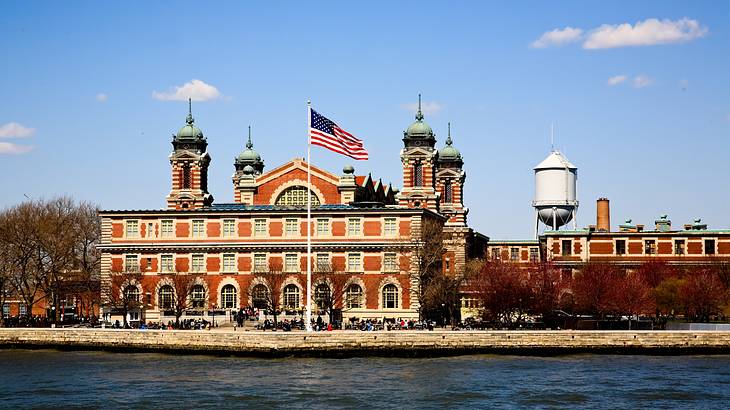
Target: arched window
point(448, 193)
point(166, 297)
point(131, 293)
point(390, 296)
point(296, 195)
point(260, 296)
point(228, 297)
point(417, 174)
point(291, 297)
point(354, 296)
point(322, 296)
point(197, 296)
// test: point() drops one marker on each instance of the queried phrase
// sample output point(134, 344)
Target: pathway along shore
point(382, 343)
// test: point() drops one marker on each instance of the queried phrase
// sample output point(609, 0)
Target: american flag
point(325, 133)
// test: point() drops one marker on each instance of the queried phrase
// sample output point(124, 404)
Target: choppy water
point(52, 379)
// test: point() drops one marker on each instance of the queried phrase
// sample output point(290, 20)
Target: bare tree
point(427, 250)
point(122, 292)
point(336, 288)
point(273, 278)
point(182, 284)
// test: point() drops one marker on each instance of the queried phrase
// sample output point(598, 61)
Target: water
point(53, 379)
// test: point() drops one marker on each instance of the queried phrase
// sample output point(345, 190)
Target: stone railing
point(354, 343)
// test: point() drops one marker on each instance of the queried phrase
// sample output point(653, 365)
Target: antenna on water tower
point(552, 137)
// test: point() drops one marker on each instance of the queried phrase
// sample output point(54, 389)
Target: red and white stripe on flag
point(327, 134)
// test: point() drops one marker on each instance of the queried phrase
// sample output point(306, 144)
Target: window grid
point(228, 297)
point(259, 227)
point(534, 255)
point(354, 262)
point(389, 262)
point(323, 262)
point(229, 262)
point(291, 297)
point(291, 262)
point(296, 195)
point(197, 296)
point(259, 262)
point(389, 227)
point(166, 228)
point(198, 263)
point(291, 227)
point(132, 229)
point(354, 296)
point(679, 247)
point(390, 297)
point(229, 228)
point(514, 254)
point(323, 227)
point(198, 228)
point(166, 263)
point(353, 226)
point(131, 263)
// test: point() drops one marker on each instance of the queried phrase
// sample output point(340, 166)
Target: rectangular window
point(534, 255)
point(709, 246)
point(291, 227)
point(198, 228)
point(323, 227)
point(353, 226)
point(291, 262)
point(198, 263)
point(566, 247)
point(354, 262)
point(259, 227)
point(22, 309)
point(229, 262)
point(166, 263)
point(323, 262)
point(390, 263)
point(417, 174)
point(131, 263)
point(132, 228)
point(6, 310)
point(496, 253)
point(679, 247)
point(514, 254)
point(166, 229)
point(229, 228)
point(150, 230)
point(650, 247)
point(448, 193)
point(389, 227)
point(620, 247)
point(259, 262)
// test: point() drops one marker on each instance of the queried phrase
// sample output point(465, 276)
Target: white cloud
point(644, 33)
point(197, 90)
point(641, 81)
point(558, 37)
point(617, 79)
point(427, 107)
point(101, 97)
point(15, 130)
point(10, 148)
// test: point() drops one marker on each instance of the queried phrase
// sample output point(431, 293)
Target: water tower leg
point(537, 223)
point(575, 220)
point(555, 219)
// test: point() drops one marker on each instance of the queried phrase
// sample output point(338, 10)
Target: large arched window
point(131, 293)
point(322, 296)
point(197, 296)
point(390, 296)
point(228, 297)
point(260, 296)
point(296, 195)
point(291, 297)
point(354, 296)
point(166, 297)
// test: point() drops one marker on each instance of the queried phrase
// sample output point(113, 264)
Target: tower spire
point(448, 137)
point(419, 114)
point(190, 119)
point(249, 145)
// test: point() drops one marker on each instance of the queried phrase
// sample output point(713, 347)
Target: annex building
point(361, 229)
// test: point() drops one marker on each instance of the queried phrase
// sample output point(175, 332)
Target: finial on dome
point(190, 119)
point(448, 138)
point(419, 114)
point(249, 144)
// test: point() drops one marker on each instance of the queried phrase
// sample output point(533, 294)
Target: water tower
point(555, 192)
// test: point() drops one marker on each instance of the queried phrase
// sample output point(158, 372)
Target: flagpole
point(308, 302)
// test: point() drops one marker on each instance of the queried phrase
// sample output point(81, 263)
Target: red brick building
point(360, 228)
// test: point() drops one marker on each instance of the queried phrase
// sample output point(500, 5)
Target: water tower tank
point(555, 191)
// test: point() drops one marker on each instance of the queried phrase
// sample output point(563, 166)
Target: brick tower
point(418, 157)
point(450, 178)
point(189, 160)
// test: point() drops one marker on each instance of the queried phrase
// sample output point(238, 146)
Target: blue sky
point(642, 109)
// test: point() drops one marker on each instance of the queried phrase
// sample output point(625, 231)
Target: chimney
point(603, 215)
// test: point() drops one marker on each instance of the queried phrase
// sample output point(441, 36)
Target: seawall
point(354, 343)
